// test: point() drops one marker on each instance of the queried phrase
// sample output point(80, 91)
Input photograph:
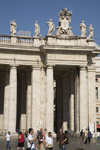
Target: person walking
point(31, 139)
point(49, 141)
point(86, 136)
point(45, 133)
point(26, 135)
point(89, 136)
point(61, 139)
point(98, 136)
point(94, 137)
point(40, 139)
point(81, 136)
point(8, 139)
point(20, 141)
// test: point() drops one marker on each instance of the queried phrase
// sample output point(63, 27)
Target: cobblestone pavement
point(74, 143)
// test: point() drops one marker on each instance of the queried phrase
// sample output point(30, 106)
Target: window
point(96, 80)
point(97, 109)
point(97, 122)
point(96, 89)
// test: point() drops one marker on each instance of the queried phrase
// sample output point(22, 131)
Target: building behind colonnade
point(30, 65)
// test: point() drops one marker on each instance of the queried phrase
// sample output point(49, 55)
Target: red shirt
point(22, 138)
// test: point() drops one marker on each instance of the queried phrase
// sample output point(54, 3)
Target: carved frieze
point(66, 57)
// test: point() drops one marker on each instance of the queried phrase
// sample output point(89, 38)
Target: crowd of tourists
point(87, 136)
point(45, 140)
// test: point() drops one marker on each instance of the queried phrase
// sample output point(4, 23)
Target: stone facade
point(28, 68)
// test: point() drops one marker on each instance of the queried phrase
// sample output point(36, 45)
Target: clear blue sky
point(26, 12)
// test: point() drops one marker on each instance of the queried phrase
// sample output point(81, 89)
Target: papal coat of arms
point(65, 18)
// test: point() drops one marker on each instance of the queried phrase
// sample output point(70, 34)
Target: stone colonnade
point(39, 108)
point(76, 98)
point(74, 103)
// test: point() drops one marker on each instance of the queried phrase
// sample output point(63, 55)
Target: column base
point(14, 134)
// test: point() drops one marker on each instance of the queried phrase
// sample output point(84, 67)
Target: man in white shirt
point(30, 140)
point(8, 138)
point(98, 135)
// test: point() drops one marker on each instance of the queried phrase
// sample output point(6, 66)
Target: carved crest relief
point(65, 18)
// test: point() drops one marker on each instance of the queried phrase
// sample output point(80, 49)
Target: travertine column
point(59, 103)
point(28, 101)
point(35, 82)
point(6, 99)
point(83, 98)
point(91, 97)
point(77, 100)
point(42, 97)
point(65, 91)
point(12, 99)
point(71, 101)
point(49, 99)
point(23, 101)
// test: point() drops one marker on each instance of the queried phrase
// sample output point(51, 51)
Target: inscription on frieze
point(66, 57)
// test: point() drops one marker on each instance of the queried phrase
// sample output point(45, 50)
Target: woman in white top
point(30, 140)
point(49, 141)
point(94, 137)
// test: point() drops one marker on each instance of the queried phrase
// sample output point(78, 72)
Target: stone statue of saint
point(13, 27)
point(83, 29)
point(51, 27)
point(37, 29)
point(90, 32)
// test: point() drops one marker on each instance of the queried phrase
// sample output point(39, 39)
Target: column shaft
point(42, 98)
point(28, 101)
point(72, 97)
point(83, 99)
point(13, 99)
point(77, 101)
point(65, 101)
point(36, 98)
point(49, 99)
point(59, 103)
point(91, 98)
point(6, 100)
point(23, 101)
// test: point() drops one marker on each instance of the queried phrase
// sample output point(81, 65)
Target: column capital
point(50, 67)
point(36, 67)
point(13, 66)
point(83, 67)
point(91, 68)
